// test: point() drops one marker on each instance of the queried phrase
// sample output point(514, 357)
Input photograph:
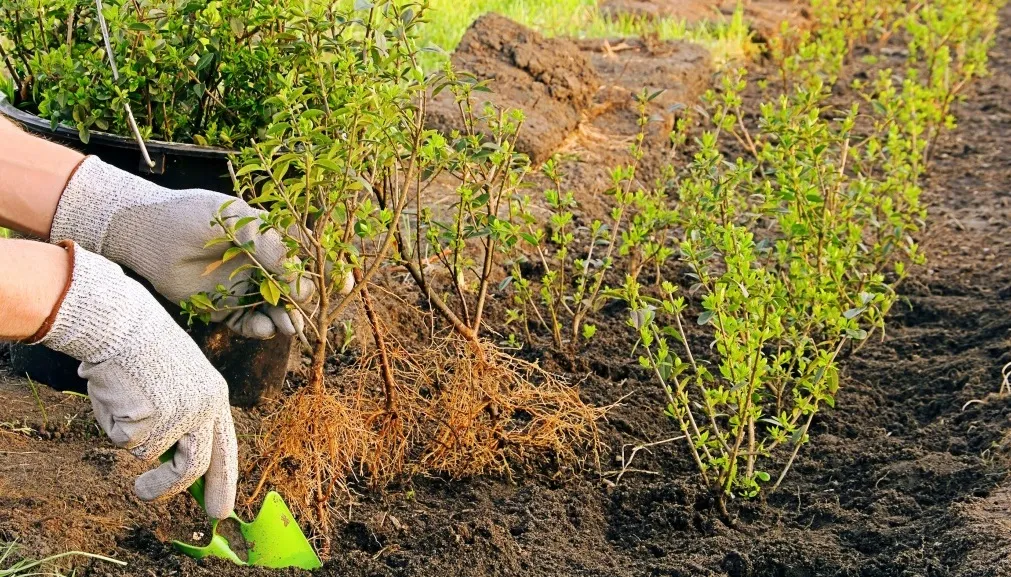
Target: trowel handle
point(197, 488)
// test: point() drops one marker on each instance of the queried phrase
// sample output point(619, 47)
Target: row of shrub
point(748, 270)
point(779, 247)
point(776, 250)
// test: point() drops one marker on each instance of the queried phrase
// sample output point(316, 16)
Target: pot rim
point(41, 126)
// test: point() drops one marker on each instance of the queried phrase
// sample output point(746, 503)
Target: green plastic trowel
point(273, 540)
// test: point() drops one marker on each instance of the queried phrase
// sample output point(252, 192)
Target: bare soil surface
point(907, 477)
point(675, 74)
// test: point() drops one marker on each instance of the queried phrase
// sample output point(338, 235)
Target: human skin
point(33, 275)
point(148, 397)
point(33, 174)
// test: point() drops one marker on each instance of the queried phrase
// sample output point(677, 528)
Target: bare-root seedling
point(343, 173)
point(462, 414)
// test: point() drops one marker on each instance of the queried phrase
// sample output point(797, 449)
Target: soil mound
point(691, 11)
point(682, 70)
point(550, 80)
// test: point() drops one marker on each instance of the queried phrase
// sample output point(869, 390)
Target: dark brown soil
point(907, 477)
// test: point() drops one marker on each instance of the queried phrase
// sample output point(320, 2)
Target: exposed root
point(459, 413)
point(311, 446)
point(501, 412)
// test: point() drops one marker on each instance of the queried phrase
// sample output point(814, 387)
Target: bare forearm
point(33, 277)
point(33, 174)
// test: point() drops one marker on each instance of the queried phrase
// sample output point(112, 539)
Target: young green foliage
point(191, 71)
point(470, 237)
point(794, 255)
point(344, 167)
point(573, 262)
point(342, 157)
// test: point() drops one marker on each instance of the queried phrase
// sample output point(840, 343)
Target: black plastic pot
point(254, 369)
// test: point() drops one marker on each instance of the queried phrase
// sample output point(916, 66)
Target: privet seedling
point(471, 236)
point(793, 256)
point(344, 171)
point(573, 262)
point(335, 170)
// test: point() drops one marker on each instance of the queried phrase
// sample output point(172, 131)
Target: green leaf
point(642, 318)
point(202, 301)
point(311, 114)
point(248, 169)
point(238, 26)
point(854, 313)
point(244, 221)
point(205, 61)
point(241, 269)
point(328, 164)
point(231, 253)
point(270, 292)
point(278, 129)
point(857, 335)
point(216, 241)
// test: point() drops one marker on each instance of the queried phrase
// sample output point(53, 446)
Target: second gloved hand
point(150, 385)
point(161, 234)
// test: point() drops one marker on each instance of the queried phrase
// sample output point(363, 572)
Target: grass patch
point(728, 41)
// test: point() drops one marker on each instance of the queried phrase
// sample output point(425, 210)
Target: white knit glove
point(161, 234)
point(149, 384)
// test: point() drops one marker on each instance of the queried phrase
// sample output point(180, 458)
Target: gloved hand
point(161, 234)
point(149, 384)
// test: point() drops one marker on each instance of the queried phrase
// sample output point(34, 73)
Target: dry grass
point(456, 412)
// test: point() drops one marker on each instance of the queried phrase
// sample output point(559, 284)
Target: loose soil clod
point(548, 79)
point(680, 71)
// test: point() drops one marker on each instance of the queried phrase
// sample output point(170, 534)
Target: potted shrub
point(193, 75)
